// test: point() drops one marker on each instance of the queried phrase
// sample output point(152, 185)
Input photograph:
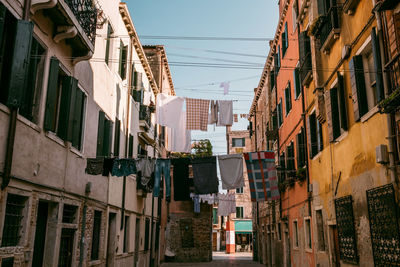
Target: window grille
point(384, 226)
point(13, 220)
point(69, 213)
point(346, 229)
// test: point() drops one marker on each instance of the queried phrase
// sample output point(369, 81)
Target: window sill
point(316, 156)
point(22, 119)
point(309, 250)
point(341, 137)
point(94, 262)
point(330, 40)
point(76, 152)
point(369, 114)
point(55, 138)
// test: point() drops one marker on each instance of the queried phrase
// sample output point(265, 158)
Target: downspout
point(390, 118)
point(82, 241)
point(13, 124)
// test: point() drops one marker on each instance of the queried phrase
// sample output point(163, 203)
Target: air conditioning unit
point(381, 153)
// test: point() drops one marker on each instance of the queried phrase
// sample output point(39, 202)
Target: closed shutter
point(108, 42)
point(309, 143)
point(328, 105)
point(276, 66)
point(3, 12)
point(313, 135)
point(117, 136)
point(396, 22)
point(380, 94)
point(133, 78)
point(100, 133)
point(78, 119)
point(272, 79)
point(121, 51)
point(320, 143)
point(65, 118)
point(52, 95)
point(20, 63)
point(130, 151)
point(286, 36)
point(334, 114)
point(321, 7)
point(108, 127)
point(357, 80)
point(296, 79)
point(342, 103)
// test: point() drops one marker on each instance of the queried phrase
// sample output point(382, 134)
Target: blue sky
point(211, 18)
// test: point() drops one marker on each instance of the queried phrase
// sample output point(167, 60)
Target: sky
point(198, 67)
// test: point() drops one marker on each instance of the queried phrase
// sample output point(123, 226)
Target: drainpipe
point(13, 124)
point(82, 241)
point(152, 230)
point(390, 118)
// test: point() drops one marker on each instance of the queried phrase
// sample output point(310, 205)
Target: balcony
point(392, 102)
point(328, 29)
point(145, 116)
point(74, 21)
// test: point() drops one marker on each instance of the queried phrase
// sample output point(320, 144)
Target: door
point(137, 238)
point(214, 241)
point(111, 241)
point(40, 234)
point(287, 246)
point(335, 246)
point(66, 247)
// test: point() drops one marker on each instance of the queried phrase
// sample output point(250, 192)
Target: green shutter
point(20, 63)
point(328, 108)
point(100, 133)
point(130, 151)
point(52, 95)
point(121, 52)
point(108, 41)
point(108, 126)
point(380, 94)
point(296, 78)
point(276, 64)
point(117, 136)
point(357, 79)
point(133, 78)
point(320, 143)
point(342, 103)
point(309, 136)
point(3, 12)
point(334, 113)
point(124, 61)
point(321, 7)
point(66, 114)
point(78, 119)
point(313, 135)
point(286, 37)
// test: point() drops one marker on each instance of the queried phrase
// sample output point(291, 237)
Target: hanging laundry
point(235, 118)
point(205, 175)
point(94, 166)
point(181, 179)
point(231, 170)
point(225, 113)
point(146, 166)
point(226, 204)
point(143, 183)
point(197, 114)
point(168, 109)
point(123, 167)
point(107, 166)
point(180, 138)
point(213, 116)
point(163, 167)
point(210, 199)
point(262, 175)
point(196, 202)
point(225, 85)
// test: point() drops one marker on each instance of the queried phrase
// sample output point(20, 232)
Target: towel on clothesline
point(205, 175)
point(181, 179)
point(167, 110)
point(225, 113)
point(226, 204)
point(231, 170)
point(197, 114)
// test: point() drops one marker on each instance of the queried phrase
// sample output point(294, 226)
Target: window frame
point(307, 234)
point(241, 212)
point(296, 241)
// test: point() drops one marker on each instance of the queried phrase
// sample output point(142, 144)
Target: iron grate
point(13, 220)
point(384, 227)
point(346, 229)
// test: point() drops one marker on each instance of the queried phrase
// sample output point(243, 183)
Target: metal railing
point(330, 22)
point(86, 13)
point(145, 114)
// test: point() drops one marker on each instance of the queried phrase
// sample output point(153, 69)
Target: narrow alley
point(221, 259)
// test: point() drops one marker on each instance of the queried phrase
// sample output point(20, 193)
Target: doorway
point(334, 244)
point(111, 245)
point(40, 234)
point(137, 238)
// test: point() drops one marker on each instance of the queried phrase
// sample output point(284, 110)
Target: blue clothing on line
point(163, 166)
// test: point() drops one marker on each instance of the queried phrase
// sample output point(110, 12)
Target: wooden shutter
point(335, 127)
point(3, 12)
point(272, 79)
point(20, 63)
point(328, 108)
point(276, 66)
point(121, 51)
point(108, 41)
point(380, 94)
point(66, 114)
point(309, 143)
point(296, 79)
point(133, 78)
point(357, 80)
point(78, 118)
point(124, 61)
point(313, 134)
point(52, 95)
point(117, 136)
point(108, 127)
point(396, 22)
point(318, 132)
point(342, 103)
point(286, 35)
point(100, 133)
point(130, 151)
point(321, 7)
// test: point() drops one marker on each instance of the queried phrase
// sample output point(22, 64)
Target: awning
point(243, 227)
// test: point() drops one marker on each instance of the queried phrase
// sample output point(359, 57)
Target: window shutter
point(133, 78)
point(124, 61)
point(320, 144)
point(289, 89)
point(321, 7)
point(20, 63)
point(272, 79)
point(120, 62)
point(286, 101)
point(334, 114)
point(130, 151)
point(108, 42)
point(279, 58)
point(283, 44)
point(117, 136)
point(297, 89)
point(3, 12)
point(65, 118)
point(380, 94)
point(309, 136)
point(108, 127)
point(100, 133)
point(51, 98)
point(328, 104)
point(357, 81)
point(286, 35)
point(276, 66)
point(78, 119)
point(342, 103)
point(313, 135)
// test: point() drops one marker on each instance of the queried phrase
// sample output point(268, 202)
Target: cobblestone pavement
point(220, 259)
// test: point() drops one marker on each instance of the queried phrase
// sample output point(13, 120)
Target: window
point(320, 230)
point(277, 60)
point(300, 140)
point(69, 213)
point(297, 85)
point(13, 220)
point(279, 230)
point(117, 136)
point(295, 234)
point(238, 142)
point(305, 66)
point(336, 109)
point(282, 167)
point(280, 116)
point(104, 135)
point(126, 234)
point(66, 246)
point(146, 234)
point(123, 54)
point(137, 90)
point(65, 105)
point(294, 15)
point(21, 82)
point(314, 132)
point(186, 228)
point(285, 40)
point(94, 255)
point(288, 99)
point(366, 78)
point(307, 226)
point(290, 167)
point(239, 190)
point(108, 43)
point(239, 213)
point(215, 215)
point(272, 79)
